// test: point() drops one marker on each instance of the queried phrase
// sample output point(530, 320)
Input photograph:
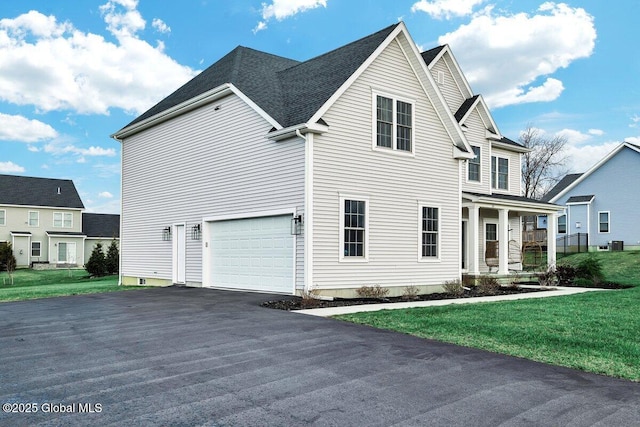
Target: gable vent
point(58, 190)
point(440, 77)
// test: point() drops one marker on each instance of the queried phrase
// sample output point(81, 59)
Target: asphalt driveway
point(178, 356)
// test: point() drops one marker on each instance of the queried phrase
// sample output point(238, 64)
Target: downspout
point(308, 209)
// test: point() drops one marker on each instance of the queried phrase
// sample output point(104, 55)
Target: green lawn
point(31, 284)
point(596, 332)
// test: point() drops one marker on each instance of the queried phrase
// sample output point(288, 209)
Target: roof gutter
point(191, 104)
point(297, 130)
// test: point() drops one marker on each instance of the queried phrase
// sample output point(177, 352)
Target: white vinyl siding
point(449, 88)
point(206, 163)
point(345, 164)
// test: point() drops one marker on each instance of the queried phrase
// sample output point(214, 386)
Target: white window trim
point(394, 133)
point(479, 181)
point(608, 222)
point(36, 256)
point(29, 218)
point(351, 259)
point(422, 204)
point(498, 158)
point(566, 223)
point(62, 220)
point(4, 217)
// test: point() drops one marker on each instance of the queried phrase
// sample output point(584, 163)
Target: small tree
point(7, 260)
point(96, 266)
point(544, 165)
point(113, 258)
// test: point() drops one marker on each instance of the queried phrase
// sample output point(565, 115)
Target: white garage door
point(254, 254)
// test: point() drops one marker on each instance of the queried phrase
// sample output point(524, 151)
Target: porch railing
point(539, 236)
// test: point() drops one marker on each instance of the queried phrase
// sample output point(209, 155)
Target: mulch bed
point(296, 303)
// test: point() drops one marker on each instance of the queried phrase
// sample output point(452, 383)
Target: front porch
point(492, 239)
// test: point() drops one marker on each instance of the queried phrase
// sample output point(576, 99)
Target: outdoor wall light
point(296, 225)
point(196, 232)
point(166, 234)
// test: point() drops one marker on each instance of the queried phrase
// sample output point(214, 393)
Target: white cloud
point(281, 9)
point(446, 9)
point(633, 139)
point(509, 58)
point(105, 195)
point(574, 137)
point(60, 148)
point(596, 132)
point(54, 66)
point(10, 167)
point(634, 121)
point(19, 128)
point(160, 26)
point(581, 158)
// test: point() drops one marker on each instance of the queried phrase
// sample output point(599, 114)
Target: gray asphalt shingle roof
point(429, 55)
point(289, 91)
point(31, 191)
point(580, 199)
point(101, 225)
point(564, 183)
point(465, 107)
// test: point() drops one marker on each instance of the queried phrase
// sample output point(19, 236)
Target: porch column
point(552, 229)
point(503, 246)
point(473, 240)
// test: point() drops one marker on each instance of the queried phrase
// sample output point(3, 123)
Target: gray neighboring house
point(99, 228)
point(372, 164)
point(603, 202)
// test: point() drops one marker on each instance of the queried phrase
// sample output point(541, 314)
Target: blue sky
point(72, 73)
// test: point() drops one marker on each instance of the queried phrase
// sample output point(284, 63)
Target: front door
point(179, 254)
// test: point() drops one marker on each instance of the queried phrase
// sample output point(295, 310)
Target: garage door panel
point(254, 254)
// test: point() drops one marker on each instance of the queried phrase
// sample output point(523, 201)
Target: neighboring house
point(99, 228)
point(603, 202)
point(372, 164)
point(43, 221)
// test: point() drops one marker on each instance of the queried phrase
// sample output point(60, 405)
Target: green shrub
point(96, 266)
point(112, 259)
point(590, 268)
point(566, 275)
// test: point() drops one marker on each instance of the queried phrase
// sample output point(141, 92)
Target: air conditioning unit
point(617, 245)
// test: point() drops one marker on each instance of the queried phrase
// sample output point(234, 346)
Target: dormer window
point(393, 124)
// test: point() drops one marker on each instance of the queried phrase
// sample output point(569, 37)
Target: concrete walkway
point(552, 292)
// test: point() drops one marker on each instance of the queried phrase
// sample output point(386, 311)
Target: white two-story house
point(372, 164)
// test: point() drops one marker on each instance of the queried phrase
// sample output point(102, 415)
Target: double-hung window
point(34, 218)
point(3, 217)
point(499, 173)
point(354, 232)
point(394, 124)
point(63, 219)
point(36, 249)
point(603, 222)
point(429, 232)
point(562, 224)
point(474, 165)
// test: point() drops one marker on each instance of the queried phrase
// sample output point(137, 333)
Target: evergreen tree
point(7, 260)
point(96, 266)
point(113, 258)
